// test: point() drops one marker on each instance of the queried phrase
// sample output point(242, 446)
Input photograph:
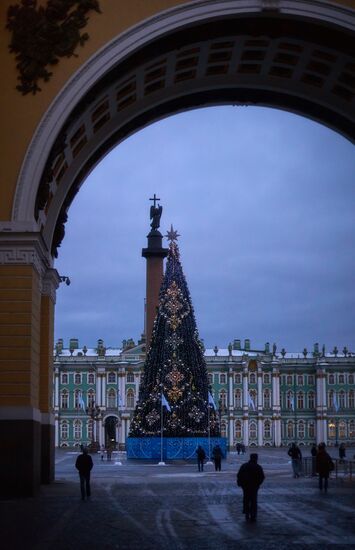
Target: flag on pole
point(335, 402)
point(81, 401)
point(251, 402)
point(211, 401)
point(165, 403)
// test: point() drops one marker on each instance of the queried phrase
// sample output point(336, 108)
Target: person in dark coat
point(201, 455)
point(296, 458)
point(249, 478)
point(84, 465)
point(341, 452)
point(217, 457)
point(314, 454)
point(324, 465)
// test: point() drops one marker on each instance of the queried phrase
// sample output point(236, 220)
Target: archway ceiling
point(293, 64)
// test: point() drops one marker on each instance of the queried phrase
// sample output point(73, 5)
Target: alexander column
point(155, 254)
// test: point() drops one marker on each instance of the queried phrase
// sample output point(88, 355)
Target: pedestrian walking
point(324, 465)
point(102, 452)
point(342, 453)
point(242, 448)
point(314, 454)
point(238, 448)
point(201, 455)
point(217, 457)
point(296, 457)
point(84, 465)
point(249, 478)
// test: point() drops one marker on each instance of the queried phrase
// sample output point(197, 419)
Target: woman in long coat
point(324, 465)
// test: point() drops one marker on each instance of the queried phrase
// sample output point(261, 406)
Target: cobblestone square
point(146, 506)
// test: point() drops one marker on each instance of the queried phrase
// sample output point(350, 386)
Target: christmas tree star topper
point(172, 235)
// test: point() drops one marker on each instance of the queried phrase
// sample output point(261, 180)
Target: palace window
point(238, 429)
point(310, 379)
point(252, 378)
point(64, 399)
point(64, 378)
point(330, 399)
point(223, 429)
point(289, 400)
point(64, 429)
point(253, 399)
point(300, 380)
point(311, 400)
point(252, 430)
point(111, 398)
point(210, 378)
point(341, 379)
point(351, 399)
point(331, 429)
point(300, 400)
point(77, 399)
point(237, 378)
point(130, 377)
point(130, 399)
point(267, 429)
point(78, 429)
point(331, 379)
point(77, 378)
point(289, 380)
point(266, 399)
point(351, 379)
point(290, 433)
point(90, 429)
point(342, 429)
point(238, 399)
point(301, 429)
point(342, 399)
point(111, 378)
point(311, 429)
point(91, 398)
point(352, 429)
point(91, 378)
point(222, 378)
point(223, 398)
point(266, 378)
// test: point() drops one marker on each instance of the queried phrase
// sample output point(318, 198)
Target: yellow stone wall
point(20, 305)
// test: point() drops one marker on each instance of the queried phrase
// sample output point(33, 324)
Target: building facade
point(263, 398)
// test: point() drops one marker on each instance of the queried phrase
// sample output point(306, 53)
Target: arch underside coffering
point(300, 65)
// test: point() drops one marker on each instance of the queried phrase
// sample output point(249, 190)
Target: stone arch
point(290, 55)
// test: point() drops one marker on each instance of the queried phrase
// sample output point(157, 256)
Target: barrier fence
point(343, 469)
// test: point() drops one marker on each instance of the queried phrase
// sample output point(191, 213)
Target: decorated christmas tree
point(175, 372)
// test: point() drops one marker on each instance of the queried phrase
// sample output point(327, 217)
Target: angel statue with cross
point(155, 213)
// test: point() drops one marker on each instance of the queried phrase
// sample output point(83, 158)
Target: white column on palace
point(98, 390)
point(260, 408)
point(103, 390)
point(321, 401)
point(245, 407)
point(56, 389)
point(122, 388)
point(56, 432)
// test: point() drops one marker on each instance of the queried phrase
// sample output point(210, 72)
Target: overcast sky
point(264, 202)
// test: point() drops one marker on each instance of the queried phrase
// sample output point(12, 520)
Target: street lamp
point(94, 412)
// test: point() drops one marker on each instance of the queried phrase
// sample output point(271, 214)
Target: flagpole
point(161, 463)
point(209, 435)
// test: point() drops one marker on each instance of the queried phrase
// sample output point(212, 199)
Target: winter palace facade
point(263, 398)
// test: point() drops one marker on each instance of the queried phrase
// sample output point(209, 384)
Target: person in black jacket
point(217, 457)
point(201, 455)
point(296, 458)
point(249, 478)
point(324, 465)
point(84, 465)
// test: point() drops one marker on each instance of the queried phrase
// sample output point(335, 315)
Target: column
point(245, 407)
point(154, 254)
point(276, 405)
point(98, 389)
point(56, 388)
point(56, 432)
point(50, 283)
point(321, 403)
point(122, 383)
point(24, 260)
point(103, 390)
